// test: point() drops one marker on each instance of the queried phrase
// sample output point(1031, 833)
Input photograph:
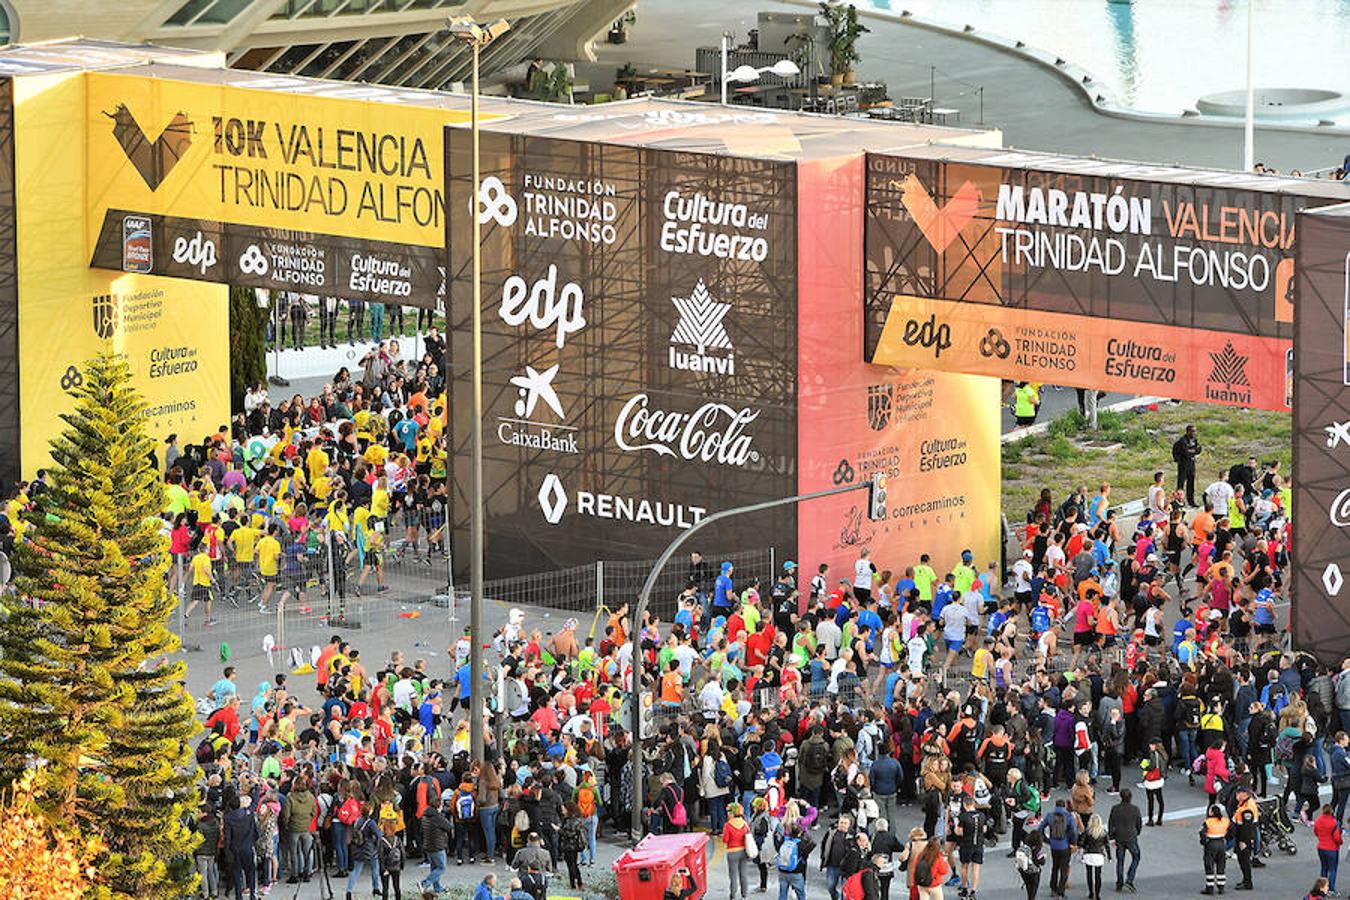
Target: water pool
point(1162, 55)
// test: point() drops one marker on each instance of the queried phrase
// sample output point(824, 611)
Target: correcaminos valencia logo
point(153, 159)
point(939, 224)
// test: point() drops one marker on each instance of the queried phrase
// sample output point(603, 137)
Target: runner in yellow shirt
point(203, 580)
point(316, 461)
point(244, 540)
point(269, 560)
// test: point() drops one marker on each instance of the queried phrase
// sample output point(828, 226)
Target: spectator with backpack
point(791, 859)
point(572, 843)
point(436, 832)
point(1029, 860)
point(588, 804)
point(464, 804)
point(716, 783)
point(865, 883)
point(364, 840)
point(930, 871)
point(1061, 833)
point(766, 829)
point(391, 851)
point(671, 816)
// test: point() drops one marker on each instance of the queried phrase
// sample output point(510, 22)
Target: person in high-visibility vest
point(1024, 403)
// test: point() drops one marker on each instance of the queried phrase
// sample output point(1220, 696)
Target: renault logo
point(552, 499)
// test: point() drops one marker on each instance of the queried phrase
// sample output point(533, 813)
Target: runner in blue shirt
point(867, 618)
point(724, 592)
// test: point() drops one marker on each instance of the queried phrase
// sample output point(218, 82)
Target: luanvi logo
point(1228, 381)
point(104, 315)
point(701, 328)
point(154, 160)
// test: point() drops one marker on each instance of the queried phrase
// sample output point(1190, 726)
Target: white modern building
point(395, 42)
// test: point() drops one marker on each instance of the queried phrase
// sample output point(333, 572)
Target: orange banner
point(1107, 354)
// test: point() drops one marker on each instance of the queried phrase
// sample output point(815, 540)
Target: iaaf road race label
point(1131, 235)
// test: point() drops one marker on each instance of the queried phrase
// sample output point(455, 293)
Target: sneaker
point(1113, 792)
point(211, 622)
point(382, 589)
point(954, 881)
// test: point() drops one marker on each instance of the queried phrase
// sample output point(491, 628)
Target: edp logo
point(929, 334)
point(544, 305)
point(198, 252)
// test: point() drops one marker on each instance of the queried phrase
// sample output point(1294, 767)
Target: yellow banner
point(357, 168)
point(174, 332)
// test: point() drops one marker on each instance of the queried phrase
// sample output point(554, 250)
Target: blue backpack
point(721, 772)
point(787, 855)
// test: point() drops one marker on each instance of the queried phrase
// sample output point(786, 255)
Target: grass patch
point(1057, 461)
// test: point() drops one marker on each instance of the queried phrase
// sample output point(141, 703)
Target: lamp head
point(464, 28)
point(743, 73)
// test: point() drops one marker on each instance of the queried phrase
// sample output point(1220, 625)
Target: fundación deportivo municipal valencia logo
point(104, 315)
point(939, 224)
point(701, 328)
point(880, 400)
point(154, 160)
point(552, 499)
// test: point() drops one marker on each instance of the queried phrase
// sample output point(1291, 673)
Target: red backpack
point(853, 888)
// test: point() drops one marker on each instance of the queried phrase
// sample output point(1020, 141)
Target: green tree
point(88, 694)
point(248, 344)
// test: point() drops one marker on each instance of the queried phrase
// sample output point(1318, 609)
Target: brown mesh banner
point(639, 340)
point(1321, 542)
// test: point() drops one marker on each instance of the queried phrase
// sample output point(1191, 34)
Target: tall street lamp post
point(464, 28)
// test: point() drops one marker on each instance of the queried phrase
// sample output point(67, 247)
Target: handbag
point(751, 847)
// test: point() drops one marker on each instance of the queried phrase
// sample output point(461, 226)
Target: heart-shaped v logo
point(154, 160)
point(940, 225)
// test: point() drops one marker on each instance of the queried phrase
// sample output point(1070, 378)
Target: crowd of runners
point(887, 724)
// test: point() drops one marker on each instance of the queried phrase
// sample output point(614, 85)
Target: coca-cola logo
point(715, 432)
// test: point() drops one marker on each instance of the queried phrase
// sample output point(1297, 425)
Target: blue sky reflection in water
point(1162, 55)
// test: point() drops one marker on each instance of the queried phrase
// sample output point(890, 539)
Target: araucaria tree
point(89, 698)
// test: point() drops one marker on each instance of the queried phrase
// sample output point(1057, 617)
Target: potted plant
point(844, 29)
point(552, 85)
point(802, 46)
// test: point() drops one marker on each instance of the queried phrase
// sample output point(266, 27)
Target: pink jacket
point(1216, 767)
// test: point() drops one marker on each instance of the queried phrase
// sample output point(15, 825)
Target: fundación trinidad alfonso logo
point(701, 328)
point(153, 159)
point(495, 203)
point(939, 224)
point(105, 314)
point(995, 344)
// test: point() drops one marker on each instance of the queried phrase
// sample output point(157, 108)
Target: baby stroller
point(1276, 829)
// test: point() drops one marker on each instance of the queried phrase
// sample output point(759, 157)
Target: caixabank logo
point(153, 159)
point(1228, 382)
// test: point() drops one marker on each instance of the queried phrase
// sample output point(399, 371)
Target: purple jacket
point(1064, 723)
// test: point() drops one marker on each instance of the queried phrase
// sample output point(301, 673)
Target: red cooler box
point(644, 872)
